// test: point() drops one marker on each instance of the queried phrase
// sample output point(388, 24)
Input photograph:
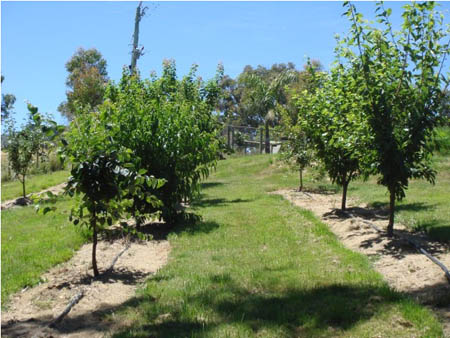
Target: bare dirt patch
point(403, 267)
point(57, 189)
point(31, 311)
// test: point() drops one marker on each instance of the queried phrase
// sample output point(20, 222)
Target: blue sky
point(38, 38)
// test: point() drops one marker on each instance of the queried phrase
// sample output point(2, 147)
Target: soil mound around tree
point(404, 268)
point(31, 311)
point(57, 189)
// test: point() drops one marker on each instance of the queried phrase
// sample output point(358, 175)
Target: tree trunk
point(261, 130)
point(300, 188)
point(390, 228)
point(267, 138)
point(135, 53)
point(94, 244)
point(344, 195)
point(23, 186)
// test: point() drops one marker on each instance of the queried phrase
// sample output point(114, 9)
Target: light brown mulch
point(403, 267)
point(31, 310)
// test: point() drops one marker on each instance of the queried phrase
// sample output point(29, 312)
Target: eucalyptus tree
point(8, 101)
point(86, 81)
point(402, 85)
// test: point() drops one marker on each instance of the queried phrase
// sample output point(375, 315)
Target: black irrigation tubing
point(72, 303)
point(307, 194)
point(116, 258)
point(80, 294)
point(416, 246)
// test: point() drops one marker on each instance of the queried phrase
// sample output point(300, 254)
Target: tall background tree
point(86, 82)
point(264, 92)
point(8, 101)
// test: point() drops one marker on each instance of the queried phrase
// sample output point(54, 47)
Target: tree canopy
point(86, 81)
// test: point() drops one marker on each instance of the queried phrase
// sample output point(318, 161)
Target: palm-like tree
point(261, 98)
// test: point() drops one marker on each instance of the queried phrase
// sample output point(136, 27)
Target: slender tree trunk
point(344, 195)
point(300, 188)
point(261, 130)
point(94, 244)
point(390, 228)
point(23, 186)
point(267, 138)
point(37, 160)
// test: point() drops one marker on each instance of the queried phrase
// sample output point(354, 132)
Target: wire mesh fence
point(246, 140)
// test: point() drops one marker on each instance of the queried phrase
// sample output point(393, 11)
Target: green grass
point(33, 243)
point(257, 266)
point(426, 206)
point(35, 183)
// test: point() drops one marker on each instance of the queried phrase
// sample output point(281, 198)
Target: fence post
point(232, 137)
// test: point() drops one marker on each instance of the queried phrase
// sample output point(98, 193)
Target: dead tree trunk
point(136, 53)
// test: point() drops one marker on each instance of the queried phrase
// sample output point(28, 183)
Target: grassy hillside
point(256, 266)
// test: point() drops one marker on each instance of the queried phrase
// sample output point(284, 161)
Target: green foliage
point(105, 174)
point(402, 89)
point(149, 144)
point(169, 125)
point(86, 82)
point(262, 99)
point(24, 144)
point(331, 118)
point(442, 140)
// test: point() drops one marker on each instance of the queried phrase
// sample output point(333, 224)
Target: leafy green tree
point(104, 174)
point(229, 101)
point(332, 119)
point(298, 149)
point(261, 98)
point(402, 86)
point(22, 145)
point(170, 126)
point(86, 82)
point(8, 101)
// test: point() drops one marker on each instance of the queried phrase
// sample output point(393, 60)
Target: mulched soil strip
point(71, 304)
point(415, 245)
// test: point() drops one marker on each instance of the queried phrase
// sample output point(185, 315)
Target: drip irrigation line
point(412, 243)
point(71, 304)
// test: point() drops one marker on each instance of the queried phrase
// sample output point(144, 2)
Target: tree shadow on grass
point(208, 185)
point(298, 312)
point(160, 230)
point(415, 206)
point(217, 202)
point(326, 310)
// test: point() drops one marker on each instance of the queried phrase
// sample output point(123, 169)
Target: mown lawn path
point(258, 266)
